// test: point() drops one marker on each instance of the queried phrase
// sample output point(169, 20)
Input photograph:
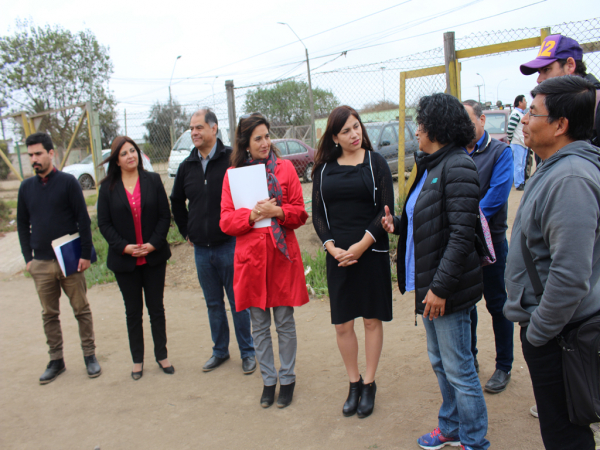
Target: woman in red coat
point(268, 270)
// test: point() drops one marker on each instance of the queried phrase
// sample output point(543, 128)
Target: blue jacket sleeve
point(500, 184)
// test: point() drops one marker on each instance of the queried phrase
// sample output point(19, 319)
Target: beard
point(38, 168)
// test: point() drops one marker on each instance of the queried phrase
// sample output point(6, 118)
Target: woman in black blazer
point(134, 218)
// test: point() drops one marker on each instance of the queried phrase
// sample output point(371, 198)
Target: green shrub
point(4, 169)
point(316, 277)
point(98, 273)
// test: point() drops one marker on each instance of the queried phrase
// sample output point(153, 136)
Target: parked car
point(384, 139)
point(496, 123)
point(181, 150)
point(84, 170)
point(301, 155)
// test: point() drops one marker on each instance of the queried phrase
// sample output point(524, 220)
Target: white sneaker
point(533, 411)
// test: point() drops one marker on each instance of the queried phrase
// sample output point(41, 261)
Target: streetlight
point(484, 94)
point(310, 92)
point(171, 104)
point(383, 82)
point(498, 87)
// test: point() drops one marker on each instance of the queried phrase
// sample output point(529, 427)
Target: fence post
point(450, 63)
point(95, 142)
point(401, 140)
point(19, 156)
point(231, 110)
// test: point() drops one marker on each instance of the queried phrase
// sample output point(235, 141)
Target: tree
point(44, 68)
point(158, 138)
point(381, 105)
point(287, 103)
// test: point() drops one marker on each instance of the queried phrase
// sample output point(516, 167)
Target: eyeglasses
point(537, 115)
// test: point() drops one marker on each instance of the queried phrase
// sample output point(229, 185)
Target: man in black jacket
point(50, 206)
point(200, 180)
point(494, 162)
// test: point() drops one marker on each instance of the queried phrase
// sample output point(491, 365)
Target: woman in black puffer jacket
point(437, 259)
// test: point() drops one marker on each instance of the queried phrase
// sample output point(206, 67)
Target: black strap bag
point(580, 357)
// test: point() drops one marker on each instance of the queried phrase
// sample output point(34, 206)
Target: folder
point(249, 185)
point(68, 253)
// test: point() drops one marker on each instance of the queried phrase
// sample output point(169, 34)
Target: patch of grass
point(10, 203)
point(316, 277)
point(98, 273)
point(91, 200)
point(5, 219)
point(174, 237)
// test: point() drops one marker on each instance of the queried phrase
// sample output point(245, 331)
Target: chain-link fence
point(373, 89)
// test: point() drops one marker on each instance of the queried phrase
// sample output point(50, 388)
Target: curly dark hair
point(445, 120)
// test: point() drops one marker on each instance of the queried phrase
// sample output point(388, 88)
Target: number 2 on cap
point(546, 48)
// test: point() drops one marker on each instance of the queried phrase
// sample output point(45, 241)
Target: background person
point(51, 205)
point(351, 186)
point(269, 274)
point(558, 56)
point(494, 162)
point(558, 218)
point(437, 259)
point(134, 218)
point(199, 182)
point(514, 133)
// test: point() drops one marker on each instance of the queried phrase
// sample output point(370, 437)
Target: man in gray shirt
point(558, 219)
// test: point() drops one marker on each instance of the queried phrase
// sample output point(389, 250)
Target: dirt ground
point(220, 409)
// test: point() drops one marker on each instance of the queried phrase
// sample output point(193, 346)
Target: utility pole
point(310, 92)
point(231, 110)
point(479, 91)
point(172, 133)
point(383, 83)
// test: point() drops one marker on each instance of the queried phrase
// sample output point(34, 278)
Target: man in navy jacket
point(50, 206)
point(494, 163)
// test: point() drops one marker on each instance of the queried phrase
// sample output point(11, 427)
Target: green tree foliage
point(381, 105)
point(287, 103)
point(158, 138)
point(44, 68)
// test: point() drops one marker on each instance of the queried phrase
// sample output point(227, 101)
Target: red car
point(301, 155)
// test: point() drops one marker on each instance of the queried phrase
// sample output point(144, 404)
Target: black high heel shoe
point(353, 398)
point(168, 370)
point(367, 400)
point(137, 375)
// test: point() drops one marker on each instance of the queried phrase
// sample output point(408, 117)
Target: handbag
point(483, 241)
point(580, 357)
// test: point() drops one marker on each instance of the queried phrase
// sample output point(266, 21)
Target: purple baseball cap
point(555, 46)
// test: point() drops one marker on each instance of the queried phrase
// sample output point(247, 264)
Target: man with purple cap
point(560, 55)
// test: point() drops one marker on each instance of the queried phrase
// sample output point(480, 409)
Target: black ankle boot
point(367, 400)
point(268, 396)
point(353, 398)
point(286, 394)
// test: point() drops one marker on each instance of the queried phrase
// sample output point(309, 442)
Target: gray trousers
point(286, 334)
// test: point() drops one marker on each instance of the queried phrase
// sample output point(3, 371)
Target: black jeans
point(545, 369)
point(494, 292)
point(150, 280)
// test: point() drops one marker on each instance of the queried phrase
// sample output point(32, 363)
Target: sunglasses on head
point(247, 116)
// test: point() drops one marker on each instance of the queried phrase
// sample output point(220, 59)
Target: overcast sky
point(218, 40)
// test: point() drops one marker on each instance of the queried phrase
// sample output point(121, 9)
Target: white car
point(84, 170)
point(179, 152)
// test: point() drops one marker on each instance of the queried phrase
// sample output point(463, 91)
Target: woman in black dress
point(351, 186)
